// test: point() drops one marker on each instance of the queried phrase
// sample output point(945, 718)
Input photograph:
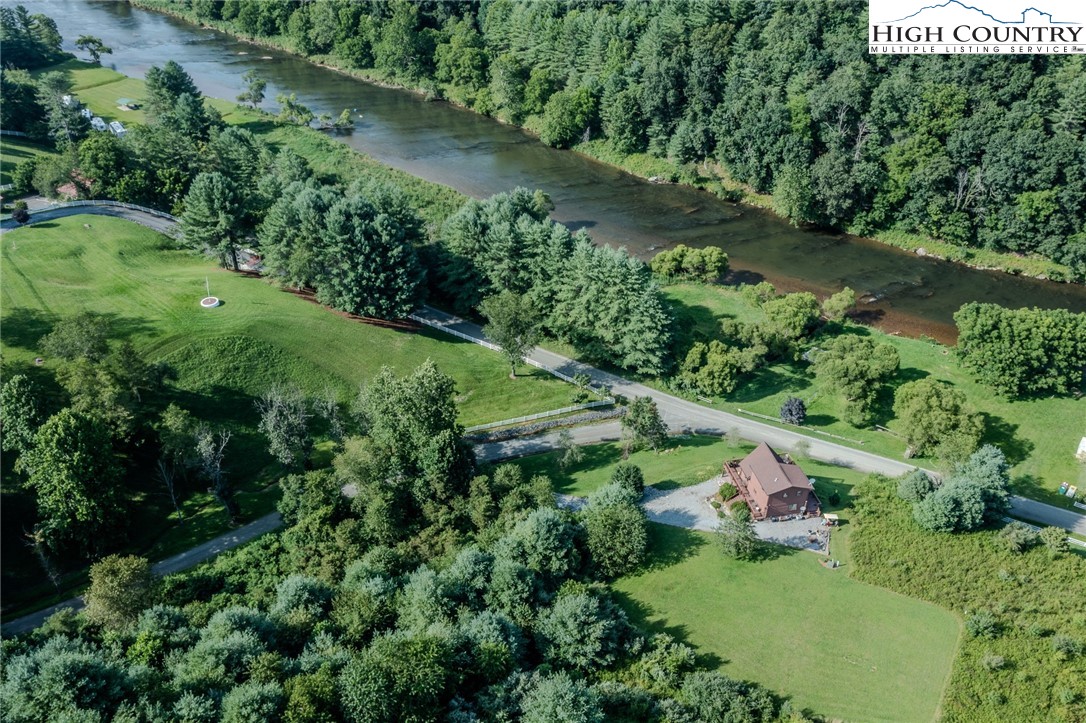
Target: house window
point(792, 508)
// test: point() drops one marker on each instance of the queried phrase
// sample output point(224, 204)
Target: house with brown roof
point(772, 485)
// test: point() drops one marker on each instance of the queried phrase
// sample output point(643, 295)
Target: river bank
point(708, 176)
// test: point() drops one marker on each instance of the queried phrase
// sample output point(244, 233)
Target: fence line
point(1035, 528)
point(118, 204)
point(495, 347)
point(18, 134)
point(541, 415)
point(805, 429)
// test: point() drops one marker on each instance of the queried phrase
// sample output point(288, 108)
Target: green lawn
point(839, 647)
point(831, 644)
point(15, 150)
point(1039, 436)
point(224, 358)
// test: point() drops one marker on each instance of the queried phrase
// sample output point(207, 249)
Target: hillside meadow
point(223, 358)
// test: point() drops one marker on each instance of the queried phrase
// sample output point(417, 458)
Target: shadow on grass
point(25, 327)
point(641, 615)
point(769, 381)
point(1003, 434)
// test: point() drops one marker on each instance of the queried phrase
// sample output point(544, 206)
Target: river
point(900, 292)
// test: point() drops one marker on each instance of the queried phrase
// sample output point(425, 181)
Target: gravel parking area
point(684, 506)
point(794, 533)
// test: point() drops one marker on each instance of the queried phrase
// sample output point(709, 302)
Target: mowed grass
point(833, 645)
point(1039, 436)
point(841, 648)
point(13, 151)
point(223, 358)
point(258, 337)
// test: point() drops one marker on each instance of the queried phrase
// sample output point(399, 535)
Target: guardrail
point(1035, 528)
point(118, 204)
point(18, 134)
point(541, 415)
point(490, 345)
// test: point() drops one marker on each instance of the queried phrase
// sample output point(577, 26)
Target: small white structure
point(1081, 453)
point(117, 129)
point(98, 124)
point(85, 112)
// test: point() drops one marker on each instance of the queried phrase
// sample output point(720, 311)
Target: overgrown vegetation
point(1024, 609)
point(433, 590)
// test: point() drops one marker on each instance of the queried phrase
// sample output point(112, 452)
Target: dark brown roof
point(773, 473)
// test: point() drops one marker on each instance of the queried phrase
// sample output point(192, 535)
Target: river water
point(479, 157)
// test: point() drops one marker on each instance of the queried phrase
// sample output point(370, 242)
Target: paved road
point(177, 563)
point(157, 223)
point(682, 415)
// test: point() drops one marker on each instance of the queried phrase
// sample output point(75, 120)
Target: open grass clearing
point(833, 645)
point(1039, 435)
point(839, 647)
point(15, 150)
point(224, 359)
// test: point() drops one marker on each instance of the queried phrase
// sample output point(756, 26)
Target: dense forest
point(436, 590)
point(781, 97)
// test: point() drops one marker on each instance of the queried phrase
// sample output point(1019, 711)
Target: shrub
point(982, 624)
point(1067, 647)
point(915, 486)
point(993, 662)
point(1055, 539)
point(741, 512)
point(629, 476)
point(727, 491)
point(793, 411)
point(1018, 537)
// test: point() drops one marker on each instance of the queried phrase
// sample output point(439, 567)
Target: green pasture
point(13, 151)
point(1039, 436)
point(838, 647)
point(224, 359)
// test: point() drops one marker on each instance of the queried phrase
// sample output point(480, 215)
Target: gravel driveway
point(683, 506)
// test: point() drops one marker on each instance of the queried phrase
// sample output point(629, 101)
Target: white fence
point(540, 415)
point(495, 347)
point(118, 204)
point(1035, 528)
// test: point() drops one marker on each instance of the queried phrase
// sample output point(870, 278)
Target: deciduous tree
point(76, 481)
point(513, 323)
point(120, 587)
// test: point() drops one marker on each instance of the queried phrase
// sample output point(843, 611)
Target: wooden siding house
point(773, 486)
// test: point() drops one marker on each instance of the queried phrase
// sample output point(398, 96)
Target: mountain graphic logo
point(1038, 16)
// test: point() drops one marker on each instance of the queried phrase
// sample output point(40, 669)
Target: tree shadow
point(24, 327)
point(769, 551)
point(740, 277)
point(645, 619)
point(1003, 434)
point(819, 420)
point(670, 546)
point(768, 381)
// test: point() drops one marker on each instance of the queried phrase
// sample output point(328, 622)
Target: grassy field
point(1016, 674)
point(833, 645)
point(1039, 436)
point(15, 150)
point(224, 358)
point(836, 646)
